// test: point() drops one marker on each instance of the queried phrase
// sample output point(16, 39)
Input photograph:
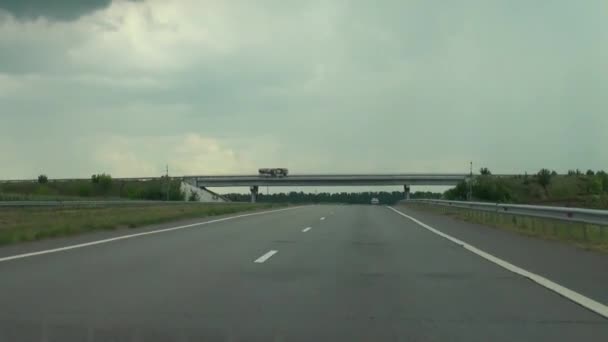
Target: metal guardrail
point(592, 216)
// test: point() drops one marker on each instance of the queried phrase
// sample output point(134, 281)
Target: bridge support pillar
point(254, 193)
point(406, 192)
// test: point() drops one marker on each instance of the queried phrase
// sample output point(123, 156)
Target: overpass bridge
point(255, 181)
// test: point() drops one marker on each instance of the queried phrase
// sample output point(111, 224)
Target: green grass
point(34, 197)
point(29, 224)
point(587, 236)
point(85, 189)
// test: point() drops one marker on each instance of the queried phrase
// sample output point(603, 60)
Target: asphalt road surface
point(316, 273)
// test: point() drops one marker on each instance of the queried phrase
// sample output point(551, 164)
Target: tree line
point(487, 187)
point(384, 197)
point(101, 186)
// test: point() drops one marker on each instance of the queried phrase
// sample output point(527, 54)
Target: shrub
point(491, 189)
point(102, 181)
point(603, 176)
point(457, 193)
point(594, 186)
point(484, 171)
point(43, 179)
point(105, 182)
point(84, 190)
point(194, 197)
point(544, 178)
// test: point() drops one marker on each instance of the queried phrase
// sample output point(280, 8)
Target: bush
point(176, 193)
point(458, 193)
point(594, 186)
point(194, 197)
point(43, 179)
point(564, 187)
point(484, 171)
point(105, 182)
point(102, 181)
point(544, 178)
point(491, 189)
point(84, 190)
point(603, 176)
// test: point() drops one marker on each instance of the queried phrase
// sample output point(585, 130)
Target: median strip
point(265, 257)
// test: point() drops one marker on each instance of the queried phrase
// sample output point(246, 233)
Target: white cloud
point(159, 36)
point(195, 154)
point(187, 154)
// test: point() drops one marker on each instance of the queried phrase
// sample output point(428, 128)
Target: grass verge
point(587, 236)
point(30, 197)
point(29, 224)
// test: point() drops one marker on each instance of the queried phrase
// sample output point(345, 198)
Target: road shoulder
point(583, 271)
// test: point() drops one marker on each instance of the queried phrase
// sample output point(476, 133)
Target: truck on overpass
point(274, 172)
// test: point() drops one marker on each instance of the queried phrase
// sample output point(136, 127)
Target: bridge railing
point(591, 216)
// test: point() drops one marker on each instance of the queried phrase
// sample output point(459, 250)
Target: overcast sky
point(214, 87)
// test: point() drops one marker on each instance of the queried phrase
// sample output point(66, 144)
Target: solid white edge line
point(123, 237)
point(576, 297)
point(266, 256)
point(306, 229)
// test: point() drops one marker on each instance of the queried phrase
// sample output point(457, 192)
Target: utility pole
point(168, 181)
point(470, 192)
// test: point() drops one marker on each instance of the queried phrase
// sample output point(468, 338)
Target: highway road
point(315, 273)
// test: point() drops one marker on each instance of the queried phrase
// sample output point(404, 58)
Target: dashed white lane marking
point(306, 229)
point(123, 237)
point(322, 218)
point(266, 256)
point(576, 297)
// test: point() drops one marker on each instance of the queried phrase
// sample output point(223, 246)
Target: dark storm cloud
point(60, 10)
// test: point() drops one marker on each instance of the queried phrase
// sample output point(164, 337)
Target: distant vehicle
point(276, 172)
point(375, 201)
